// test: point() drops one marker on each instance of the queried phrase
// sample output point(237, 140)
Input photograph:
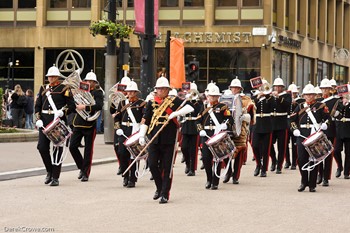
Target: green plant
point(106, 27)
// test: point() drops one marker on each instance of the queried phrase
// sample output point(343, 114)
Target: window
point(58, 3)
point(70, 3)
point(193, 3)
point(251, 3)
point(26, 3)
point(81, 3)
point(323, 71)
point(304, 71)
point(169, 3)
point(6, 4)
point(340, 72)
point(282, 66)
point(226, 2)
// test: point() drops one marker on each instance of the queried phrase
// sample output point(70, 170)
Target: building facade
point(298, 40)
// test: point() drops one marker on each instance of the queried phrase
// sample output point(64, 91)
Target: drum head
point(216, 138)
point(313, 138)
point(132, 139)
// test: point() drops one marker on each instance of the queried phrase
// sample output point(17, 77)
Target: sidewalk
point(270, 204)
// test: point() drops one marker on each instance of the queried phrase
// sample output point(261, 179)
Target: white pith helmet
point(236, 83)
point(309, 89)
point(318, 90)
point(193, 86)
point(325, 83)
point(278, 82)
point(125, 80)
point(162, 82)
point(132, 86)
point(53, 71)
point(173, 92)
point(293, 88)
point(214, 90)
point(333, 82)
point(91, 76)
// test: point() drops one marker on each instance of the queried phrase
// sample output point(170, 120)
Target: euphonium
point(266, 88)
point(81, 96)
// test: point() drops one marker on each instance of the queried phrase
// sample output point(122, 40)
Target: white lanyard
point(215, 120)
point(316, 126)
point(135, 125)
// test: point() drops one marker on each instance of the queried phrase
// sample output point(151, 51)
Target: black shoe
point(187, 170)
point(278, 171)
point(338, 173)
point(325, 183)
point(312, 190)
point(48, 178)
point(191, 173)
point(346, 177)
point(319, 179)
point(287, 165)
point(293, 167)
point(208, 185)
point(183, 159)
point(156, 195)
point(84, 178)
point(273, 167)
point(119, 171)
point(202, 167)
point(227, 178)
point(263, 174)
point(80, 175)
point(55, 182)
point(163, 200)
point(125, 181)
point(301, 188)
point(214, 187)
point(234, 181)
point(256, 171)
point(130, 184)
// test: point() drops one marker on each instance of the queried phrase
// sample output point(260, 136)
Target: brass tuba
point(80, 96)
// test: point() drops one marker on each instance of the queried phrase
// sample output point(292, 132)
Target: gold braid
point(159, 112)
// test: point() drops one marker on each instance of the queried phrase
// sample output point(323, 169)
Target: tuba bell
point(81, 96)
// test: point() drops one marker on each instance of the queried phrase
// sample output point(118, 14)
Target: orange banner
point(177, 62)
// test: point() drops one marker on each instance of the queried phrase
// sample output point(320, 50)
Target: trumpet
point(81, 96)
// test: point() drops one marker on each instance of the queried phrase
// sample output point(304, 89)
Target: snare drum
point(221, 146)
point(318, 146)
point(133, 146)
point(57, 132)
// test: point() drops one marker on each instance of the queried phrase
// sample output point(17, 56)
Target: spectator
point(29, 109)
point(17, 106)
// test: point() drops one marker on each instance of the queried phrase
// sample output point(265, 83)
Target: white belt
point(210, 127)
point(48, 111)
point(263, 114)
point(128, 124)
point(306, 126)
point(343, 119)
point(279, 114)
point(190, 118)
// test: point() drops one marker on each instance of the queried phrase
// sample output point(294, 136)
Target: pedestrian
point(29, 109)
point(18, 104)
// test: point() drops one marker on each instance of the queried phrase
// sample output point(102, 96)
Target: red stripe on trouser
point(196, 156)
point(285, 147)
point(268, 151)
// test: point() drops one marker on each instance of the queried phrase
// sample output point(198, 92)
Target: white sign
point(259, 31)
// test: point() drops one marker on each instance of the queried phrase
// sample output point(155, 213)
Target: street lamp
point(9, 66)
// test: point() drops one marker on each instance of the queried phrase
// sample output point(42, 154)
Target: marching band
point(219, 128)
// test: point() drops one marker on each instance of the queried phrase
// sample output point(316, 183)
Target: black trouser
point(189, 148)
point(292, 139)
point(281, 137)
point(115, 146)
point(261, 144)
point(325, 168)
point(207, 158)
point(125, 160)
point(160, 161)
point(237, 164)
point(307, 178)
point(337, 154)
point(44, 150)
point(89, 134)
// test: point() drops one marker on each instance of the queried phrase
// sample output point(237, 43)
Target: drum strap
point(53, 105)
point(312, 118)
point(135, 125)
point(215, 120)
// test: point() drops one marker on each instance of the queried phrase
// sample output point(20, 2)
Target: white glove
point(223, 126)
point(202, 133)
point(296, 133)
point(142, 141)
point(172, 115)
point(58, 114)
point(324, 126)
point(336, 113)
point(120, 132)
point(39, 124)
point(142, 132)
point(183, 111)
point(246, 117)
point(187, 96)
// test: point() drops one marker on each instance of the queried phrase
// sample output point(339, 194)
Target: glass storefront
point(282, 67)
point(340, 74)
point(17, 67)
point(304, 71)
point(323, 71)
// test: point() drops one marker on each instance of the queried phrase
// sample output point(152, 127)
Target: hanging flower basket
point(106, 27)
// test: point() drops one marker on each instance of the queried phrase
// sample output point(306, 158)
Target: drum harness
point(55, 160)
point(135, 125)
point(218, 128)
point(316, 127)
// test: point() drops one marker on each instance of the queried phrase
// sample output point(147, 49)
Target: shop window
point(323, 71)
point(282, 67)
point(340, 74)
point(304, 71)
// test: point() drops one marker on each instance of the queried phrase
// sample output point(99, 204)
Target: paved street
point(270, 204)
